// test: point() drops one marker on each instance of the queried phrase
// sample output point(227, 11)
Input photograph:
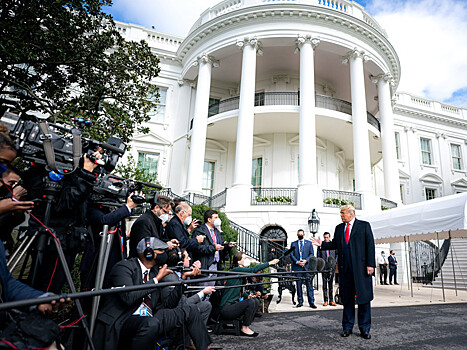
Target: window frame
point(204, 189)
point(429, 152)
point(151, 153)
point(459, 157)
point(154, 113)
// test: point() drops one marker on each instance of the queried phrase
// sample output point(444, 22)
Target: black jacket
point(176, 229)
point(117, 308)
point(147, 225)
point(207, 249)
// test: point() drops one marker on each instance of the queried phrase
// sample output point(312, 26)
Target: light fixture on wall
point(313, 222)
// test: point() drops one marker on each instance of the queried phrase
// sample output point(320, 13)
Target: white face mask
point(188, 221)
point(217, 222)
point(164, 218)
point(246, 263)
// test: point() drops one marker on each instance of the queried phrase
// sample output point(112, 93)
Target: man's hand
point(194, 272)
point(209, 290)
point(163, 271)
point(194, 224)
point(89, 165)
point(370, 270)
point(200, 238)
point(129, 201)
point(9, 204)
point(316, 241)
point(197, 264)
point(54, 306)
point(301, 263)
point(19, 191)
point(219, 247)
point(172, 243)
point(232, 244)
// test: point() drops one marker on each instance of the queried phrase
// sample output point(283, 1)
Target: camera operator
point(67, 219)
point(150, 223)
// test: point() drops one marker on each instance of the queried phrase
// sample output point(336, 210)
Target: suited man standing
point(328, 277)
point(302, 252)
point(383, 268)
point(392, 267)
point(355, 246)
point(211, 251)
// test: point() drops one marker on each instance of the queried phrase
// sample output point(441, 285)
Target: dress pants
point(383, 273)
point(347, 287)
point(141, 333)
point(246, 307)
point(328, 280)
point(392, 272)
point(309, 289)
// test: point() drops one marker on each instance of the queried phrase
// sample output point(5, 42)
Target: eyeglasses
point(167, 211)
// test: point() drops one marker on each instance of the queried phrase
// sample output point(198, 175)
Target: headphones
point(148, 251)
point(154, 200)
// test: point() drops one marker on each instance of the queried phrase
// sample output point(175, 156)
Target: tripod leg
point(11, 263)
point(41, 244)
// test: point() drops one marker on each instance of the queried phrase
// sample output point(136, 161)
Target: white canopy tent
point(439, 218)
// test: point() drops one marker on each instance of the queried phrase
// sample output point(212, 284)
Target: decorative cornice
point(411, 112)
point(205, 58)
point(355, 53)
point(254, 42)
point(386, 77)
point(307, 39)
point(189, 82)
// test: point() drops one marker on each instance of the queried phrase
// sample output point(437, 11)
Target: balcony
point(273, 196)
point(336, 199)
point(289, 99)
point(387, 204)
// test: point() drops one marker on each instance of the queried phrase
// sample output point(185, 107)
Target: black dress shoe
point(396, 284)
point(313, 306)
point(386, 284)
point(299, 305)
point(390, 283)
point(254, 334)
point(366, 335)
point(346, 333)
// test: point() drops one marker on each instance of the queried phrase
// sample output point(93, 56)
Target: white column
point(198, 135)
point(391, 173)
point(246, 117)
point(307, 173)
point(361, 145)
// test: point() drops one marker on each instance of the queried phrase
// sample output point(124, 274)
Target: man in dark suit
point(139, 318)
point(150, 223)
point(175, 229)
point(328, 277)
point(355, 246)
point(392, 267)
point(212, 250)
point(302, 252)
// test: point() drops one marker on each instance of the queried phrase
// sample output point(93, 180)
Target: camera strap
point(46, 137)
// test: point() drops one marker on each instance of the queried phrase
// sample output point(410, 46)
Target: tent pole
point(440, 267)
point(452, 259)
point(410, 268)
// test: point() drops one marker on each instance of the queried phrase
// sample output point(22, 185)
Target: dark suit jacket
point(206, 250)
point(306, 254)
point(117, 308)
point(176, 229)
point(147, 225)
point(362, 248)
point(12, 289)
point(392, 262)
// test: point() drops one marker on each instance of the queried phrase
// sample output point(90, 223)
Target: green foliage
point(274, 199)
point(66, 58)
point(337, 202)
point(135, 170)
point(228, 233)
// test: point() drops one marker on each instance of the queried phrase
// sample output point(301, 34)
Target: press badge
point(143, 312)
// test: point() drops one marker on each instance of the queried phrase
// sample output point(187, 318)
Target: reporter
point(232, 306)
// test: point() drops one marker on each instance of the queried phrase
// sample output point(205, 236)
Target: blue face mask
point(2, 168)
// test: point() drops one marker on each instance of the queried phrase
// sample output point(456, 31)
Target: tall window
point(257, 173)
point(430, 193)
point(158, 114)
point(425, 145)
point(398, 145)
point(149, 161)
point(456, 156)
point(208, 178)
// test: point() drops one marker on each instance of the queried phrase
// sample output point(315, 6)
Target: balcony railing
point(273, 196)
point(289, 99)
point(336, 199)
point(216, 202)
point(387, 204)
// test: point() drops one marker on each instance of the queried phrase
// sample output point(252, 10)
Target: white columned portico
point(307, 172)
point(198, 135)
point(240, 192)
point(391, 173)
point(361, 145)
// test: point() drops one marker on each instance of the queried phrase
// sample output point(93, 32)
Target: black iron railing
point(387, 204)
point(273, 196)
point(289, 99)
point(216, 202)
point(336, 199)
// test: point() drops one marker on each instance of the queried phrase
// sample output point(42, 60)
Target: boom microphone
point(320, 264)
point(332, 262)
point(288, 252)
point(312, 263)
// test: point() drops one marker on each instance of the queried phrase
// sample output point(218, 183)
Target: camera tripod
point(51, 189)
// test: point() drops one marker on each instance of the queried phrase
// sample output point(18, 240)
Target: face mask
point(161, 259)
point(300, 237)
point(217, 222)
point(164, 217)
point(246, 263)
point(2, 168)
point(188, 221)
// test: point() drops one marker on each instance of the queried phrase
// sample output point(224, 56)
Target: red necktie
point(347, 233)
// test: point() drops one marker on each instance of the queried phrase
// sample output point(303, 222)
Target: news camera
point(60, 148)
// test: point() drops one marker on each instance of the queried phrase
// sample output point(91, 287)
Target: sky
point(430, 37)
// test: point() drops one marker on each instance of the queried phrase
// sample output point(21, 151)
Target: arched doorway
point(273, 242)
